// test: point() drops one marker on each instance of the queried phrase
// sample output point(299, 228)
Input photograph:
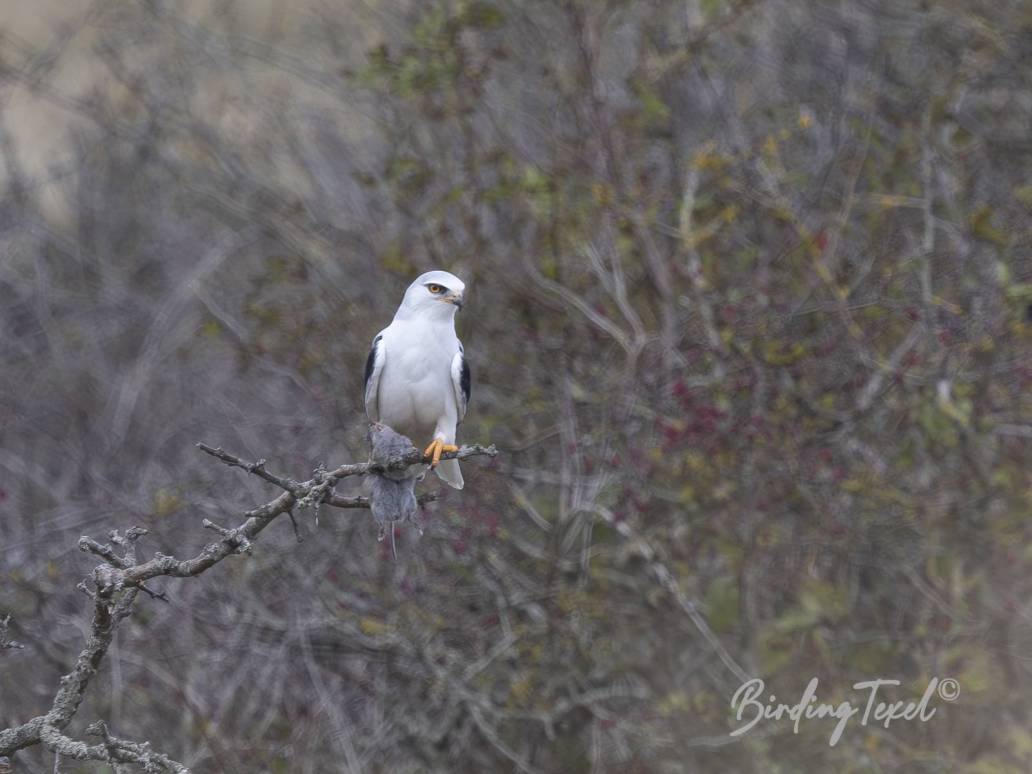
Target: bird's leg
point(436, 448)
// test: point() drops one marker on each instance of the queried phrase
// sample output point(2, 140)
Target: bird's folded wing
point(373, 369)
point(460, 381)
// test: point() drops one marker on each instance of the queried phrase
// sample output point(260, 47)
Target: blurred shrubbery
point(749, 314)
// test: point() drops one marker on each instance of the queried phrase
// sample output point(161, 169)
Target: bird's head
point(436, 294)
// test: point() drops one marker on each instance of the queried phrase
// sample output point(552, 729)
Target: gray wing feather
point(373, 369)
point(461, 381)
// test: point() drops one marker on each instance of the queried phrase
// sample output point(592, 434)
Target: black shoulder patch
point(371, 360)
point(464, 381)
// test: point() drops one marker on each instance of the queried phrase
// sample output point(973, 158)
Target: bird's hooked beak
point(454, 298)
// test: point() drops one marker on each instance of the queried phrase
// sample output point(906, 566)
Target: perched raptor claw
point(436, 448)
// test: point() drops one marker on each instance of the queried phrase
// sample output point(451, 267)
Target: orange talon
point(435, 449)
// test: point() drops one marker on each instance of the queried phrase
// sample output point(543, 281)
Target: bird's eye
point(435, 289)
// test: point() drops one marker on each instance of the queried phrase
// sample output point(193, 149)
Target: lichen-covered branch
point(116, 583)
point(6, 643)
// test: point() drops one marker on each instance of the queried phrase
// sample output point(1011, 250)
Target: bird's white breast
point(416, 392)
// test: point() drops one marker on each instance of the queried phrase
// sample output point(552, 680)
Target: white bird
point(416, 376)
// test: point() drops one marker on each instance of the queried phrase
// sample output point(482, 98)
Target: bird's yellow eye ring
point(435, 288)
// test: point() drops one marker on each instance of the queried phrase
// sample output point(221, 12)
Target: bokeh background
point(749, 314)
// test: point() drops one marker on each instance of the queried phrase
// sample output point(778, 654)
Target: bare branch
point(257, 468)
point(413, 457)
point(113, 750)
point(6, 643)
point(119, 579)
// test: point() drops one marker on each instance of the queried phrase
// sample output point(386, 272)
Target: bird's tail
point(448, 471)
